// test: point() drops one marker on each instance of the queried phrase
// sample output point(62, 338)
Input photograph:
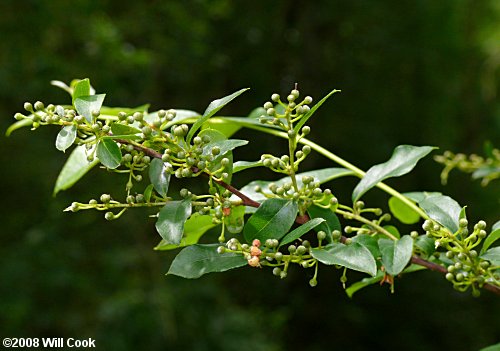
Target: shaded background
point(417, 72)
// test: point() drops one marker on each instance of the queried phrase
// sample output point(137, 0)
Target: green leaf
point(402, 161)
point(242, 165)
point(108, 152)
point(171, 220)
point(235, 221)
point(495, 347)
point(159, 176)
point(425, 244)
point(194, 228)
point(218, 138)
point(393, 230)
point(66, 137)
point(396, 254)
point(496, 226)
point(148, 192)
point(85, 105)
point(492, 255)
point(308, 115)
point(490, 239)
point(75, 168)
point(369, 242)
point(404, 213)
point(363, 283)
point(418, 196)
point(353, 256)
point(228, 127)
point(224, 145)
point(122, 129)
point(332, 222)
point(211, 110)
point(299, 231)
point(114, 111)
point(79, 89)
point(27, 122)
point(272, 220)
point(442, 209)
point(320, 175)
point(197, 260)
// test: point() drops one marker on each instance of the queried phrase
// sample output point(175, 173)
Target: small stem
point(377, 227)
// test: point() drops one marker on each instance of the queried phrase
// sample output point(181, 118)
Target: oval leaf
point(492, 255)
point(85, 105)
point(194, 228)
point(490, 239)
point(239, 166)
point(404, 213)
point(159, 176)
point(211, 110)
point(66, 137)
point(354, 256)
point(224, 145)
point(197, 260)
point(332, 222)
point(272, 220)
point(79, 89)
point(171, 220)
point(303, 229)
point(75, 168)
point(308, 115)
point(443, 209)
point(402, 161)
point(122, 129)
point(396, 254)
point(108, 152)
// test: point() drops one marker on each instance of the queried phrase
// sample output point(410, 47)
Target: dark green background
point(417, 72)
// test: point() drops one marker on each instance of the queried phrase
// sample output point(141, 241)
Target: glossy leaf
point(108, 152)
point(363, 283)
point(27, 122)
point(492, 255)
point(402, 161)
point(242, 165)
point(490, 239)
point(396, 254)
point(370, 242)
point(299, 231)
point(114, 111)
point(308, 115)
point(228, 127)
point(235, 221)
point(331, 220)
point(211, 110)
point(74, 169)
point(404, 213)
point(197, 260)
point(171, 220)
point(272, 220)
point(495, 347)
point(425, 244)
point(122, 129)
point(393, 230)
point(194, 228)
point(418, 196)
point(66, 137)
point(85, 105)
point(496, 226)
point(79, 89)
point(353, 256)
point(148, 192)
point(224, 145)
point(443, 209)
point(159, 176)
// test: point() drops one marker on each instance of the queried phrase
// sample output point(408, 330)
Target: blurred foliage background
point(418, 72)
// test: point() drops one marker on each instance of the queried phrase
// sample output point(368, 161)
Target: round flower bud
point(305, 109)
point(275, 97)
point(276, 271)
point(268, 105)
point(256, 242)
point(270, 111)
point(109, 216)
point(291, 133)
point(279, 256)
point(290, 98)
point(481, 225)
point(308, 100)
point(221, 250)
point(39, 106)
point(306, 149)
point(292, 249)
point(482, 234)
point(106, 129)
point(450, 277)
point(215, 150)
point(122, 116)
point(224, 162)
point(255, 251)
point(165, 157)
point(463, 222)
point(206, 139)
point(28, 107)
point(321, 235)
point(18, 116)
point(254, 261)
point(313, 282)
point(295, 93)
point(197, 140)
point(146, 130)
point(306, 130)
point(138, 116)
point(301, 249)
point(184, 193)
point(105, 198)
point(299, 154)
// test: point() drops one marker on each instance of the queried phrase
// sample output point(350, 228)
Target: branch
point(301, 219)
